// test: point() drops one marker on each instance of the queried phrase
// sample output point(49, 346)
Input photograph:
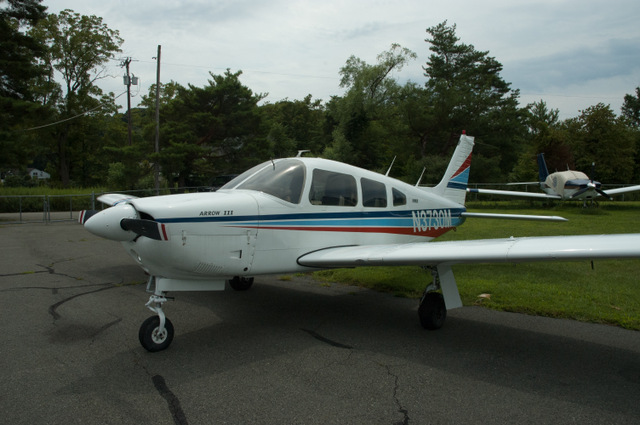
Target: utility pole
point(127, 82)
point(156, 166)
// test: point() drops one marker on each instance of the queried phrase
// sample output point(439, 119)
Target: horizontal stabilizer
point(514, 216)
point(514, 193)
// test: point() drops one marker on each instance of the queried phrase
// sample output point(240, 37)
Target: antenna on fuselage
point(389, 170)
point(274, 163)
point(420, 179)
point(301, 152)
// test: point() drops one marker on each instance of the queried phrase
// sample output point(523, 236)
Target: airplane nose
point(106, 223)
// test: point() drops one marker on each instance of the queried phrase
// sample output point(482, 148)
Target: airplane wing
point(511, 250)
point(623, 190)
point(516, 193)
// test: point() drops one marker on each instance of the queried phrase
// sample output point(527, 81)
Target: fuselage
point(568, 183)
point(265, 219)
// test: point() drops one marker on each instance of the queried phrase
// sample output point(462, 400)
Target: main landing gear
point(433, 309)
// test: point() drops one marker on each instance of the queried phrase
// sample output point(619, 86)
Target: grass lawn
point(608, 292)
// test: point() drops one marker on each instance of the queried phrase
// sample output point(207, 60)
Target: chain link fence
point(53, 208)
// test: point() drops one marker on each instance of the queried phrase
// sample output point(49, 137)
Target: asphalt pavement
point(289, 351)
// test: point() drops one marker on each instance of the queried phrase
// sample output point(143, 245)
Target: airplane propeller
point(148, 228)
point(591, 186)
point(121, 222)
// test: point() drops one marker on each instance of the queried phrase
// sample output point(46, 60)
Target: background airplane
point(304, 214)
point(562, 185)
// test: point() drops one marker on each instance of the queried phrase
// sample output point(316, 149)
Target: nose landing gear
point(156, 333)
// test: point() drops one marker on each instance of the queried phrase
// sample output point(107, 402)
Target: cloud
point(291, 48)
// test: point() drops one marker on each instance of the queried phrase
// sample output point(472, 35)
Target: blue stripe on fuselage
point(356, 218)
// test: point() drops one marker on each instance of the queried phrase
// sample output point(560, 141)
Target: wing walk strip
point(546, 248)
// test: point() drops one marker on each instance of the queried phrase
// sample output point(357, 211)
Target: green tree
point(546, 135)
point(19, 53)
point(468, 93)
point(296, 125)
point(631, 108)
point(366, 116)
point(78, 48)
point(598, 136)
point(211, 130)
point(631, 113)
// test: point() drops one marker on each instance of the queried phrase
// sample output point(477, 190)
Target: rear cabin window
point(399, 198)
point(282, 179)
point(331, 188)
point(374, 194)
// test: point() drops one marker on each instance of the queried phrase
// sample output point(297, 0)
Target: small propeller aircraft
point(303, 214)
point(562, 185)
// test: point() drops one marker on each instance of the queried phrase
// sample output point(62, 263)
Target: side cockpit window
point(374, 194)
point(283, 179)
point(331, 188)
point(399, 198)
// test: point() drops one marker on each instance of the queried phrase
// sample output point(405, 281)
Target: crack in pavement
point(404, 412)
point(47, 269)
point(396, 387)
point(53, 307)
point(54, 290)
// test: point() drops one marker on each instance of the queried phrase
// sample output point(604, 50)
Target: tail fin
point(453, 185)
point(543, 172)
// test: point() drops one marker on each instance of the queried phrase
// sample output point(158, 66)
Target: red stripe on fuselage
point(434, 233)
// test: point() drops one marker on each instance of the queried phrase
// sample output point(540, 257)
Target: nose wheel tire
point(151, 338)
point(239, 283)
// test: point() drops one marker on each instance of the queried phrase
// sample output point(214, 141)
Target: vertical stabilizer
point(453, 185)
point(543, 172)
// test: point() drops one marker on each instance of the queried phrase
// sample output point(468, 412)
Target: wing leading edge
point(511, 250)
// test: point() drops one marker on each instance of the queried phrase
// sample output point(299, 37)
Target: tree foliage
point(51, 66)
point(366, 124)
point(215, 129)
point(78, 47)
point(19, 53)
point(467, 93)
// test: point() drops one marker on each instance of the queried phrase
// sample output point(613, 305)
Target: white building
point(34, 173)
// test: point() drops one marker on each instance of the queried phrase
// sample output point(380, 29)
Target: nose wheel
point(153, 337)
point(156, 333)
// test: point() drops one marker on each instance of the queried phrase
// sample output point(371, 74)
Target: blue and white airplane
point(303, 214)
point(562, 185)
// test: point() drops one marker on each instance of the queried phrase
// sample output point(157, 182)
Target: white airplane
point(304, 214)
point(562, 185)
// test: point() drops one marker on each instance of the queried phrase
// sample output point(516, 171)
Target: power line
point(72, 118)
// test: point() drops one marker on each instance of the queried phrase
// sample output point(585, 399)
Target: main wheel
point(151, 339)
point(432, 311)
point(241, 283)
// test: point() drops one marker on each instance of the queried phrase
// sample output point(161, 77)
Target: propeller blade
point(85, 215)
point(603, 193)
point(148, 228)
point(580, 192)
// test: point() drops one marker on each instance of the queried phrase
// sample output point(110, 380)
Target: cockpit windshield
point(283, 179)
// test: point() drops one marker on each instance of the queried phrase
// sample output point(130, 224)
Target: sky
point(570, 54)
